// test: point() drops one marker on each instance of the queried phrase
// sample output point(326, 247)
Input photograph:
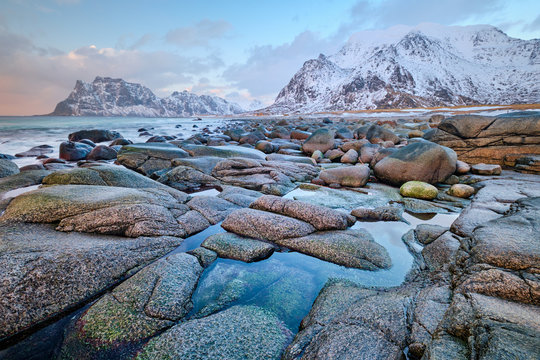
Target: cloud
point(534, 25)
point(269, 68)
point(33, 80)
point(200, 34)
point(386, 13)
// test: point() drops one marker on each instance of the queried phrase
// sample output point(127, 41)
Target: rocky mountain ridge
point(426, 65)
point(116, 97)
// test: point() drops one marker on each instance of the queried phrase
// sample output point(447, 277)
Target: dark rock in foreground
point(241, 332)
point(45, 272)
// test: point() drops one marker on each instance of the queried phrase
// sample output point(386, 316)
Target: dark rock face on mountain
point(115, 97)
point(427, 65)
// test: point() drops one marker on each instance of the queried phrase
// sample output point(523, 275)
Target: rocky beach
point(278, 237)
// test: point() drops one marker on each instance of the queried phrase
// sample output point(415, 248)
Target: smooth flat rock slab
point(351, 248)
point(265, 225)
point(232, 246)
point(322, 218)
point(45, 272)
point(240, 332)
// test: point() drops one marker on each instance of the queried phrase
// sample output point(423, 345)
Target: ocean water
point(20, 133)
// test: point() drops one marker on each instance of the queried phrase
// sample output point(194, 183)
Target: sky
point(243, 51)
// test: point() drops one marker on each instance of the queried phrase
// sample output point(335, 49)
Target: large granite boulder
point(95, 135)
point(269, 177)
point(322, 218)
point(45, 272)
point(8, 168)
point(147, 303)
point(422, 161)
point(485, 139)
point(265, 225)
point(74, 151)
point(351, 248)
point(351, 176)
point(240, 332)
point(149, 157)
point(101, 209)
point(321, 139)
point(232, 246)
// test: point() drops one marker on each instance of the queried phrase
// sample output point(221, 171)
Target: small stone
point(462, 167)
point(486, 169)
point(350, 157)
point(418, 190)
point(317, 155)
point(461, 191)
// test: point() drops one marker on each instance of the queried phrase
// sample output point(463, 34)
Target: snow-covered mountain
point(426, 65)
point(115, 97)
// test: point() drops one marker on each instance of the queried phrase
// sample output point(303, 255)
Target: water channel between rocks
point(286, 284)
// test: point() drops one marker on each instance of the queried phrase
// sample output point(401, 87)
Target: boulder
point(334, 154)
point(96, 135)
point(322, 218)
point(461, 191)
point(203, 164)
point(149, 158)
point(214, 209)
point(239, 196)
point(46, 272)
point(149, 302)
point(232, 246)
point(418, 190)
point(368, 152)
point(36, 151)
point(269, 177)
point(350, 157)
point(265, 225)
point(486, 169)
point(321, 139)
point(351, 176)
point(462, 167)
point(382, 213)
point(240, 332)
point(486, 139)
point(74, 151)
point(421, 161)
point(101, 209)
point(290, 158)
point(8, 168)
point(376, 134)
point(185, 178)
point(102, 152)
point(351, 248)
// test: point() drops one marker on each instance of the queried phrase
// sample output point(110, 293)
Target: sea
point(20, 133)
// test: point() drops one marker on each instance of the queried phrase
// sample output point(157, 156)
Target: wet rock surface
point(471, 291)
point(241, 332)
point(45, 272)
point(8, 168)
point(147, 303)
point(232, 246)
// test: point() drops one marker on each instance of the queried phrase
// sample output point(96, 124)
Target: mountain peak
point(424, 65)
point(106, 96)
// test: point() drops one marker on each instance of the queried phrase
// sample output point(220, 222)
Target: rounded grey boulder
point(421, 161)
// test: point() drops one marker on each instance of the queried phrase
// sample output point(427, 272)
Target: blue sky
point(240, 50)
